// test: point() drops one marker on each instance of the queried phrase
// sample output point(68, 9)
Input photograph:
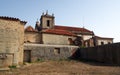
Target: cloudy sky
point(100, 16)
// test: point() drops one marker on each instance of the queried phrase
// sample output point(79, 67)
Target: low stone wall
point(49, 52)
point(107, 53)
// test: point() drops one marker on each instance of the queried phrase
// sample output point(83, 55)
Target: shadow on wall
point(77, 57)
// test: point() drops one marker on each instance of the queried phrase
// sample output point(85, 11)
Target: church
point(47, 32)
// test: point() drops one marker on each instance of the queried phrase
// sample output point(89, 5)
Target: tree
point(78, 41)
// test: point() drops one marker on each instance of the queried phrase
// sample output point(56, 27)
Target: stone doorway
point(27, 55)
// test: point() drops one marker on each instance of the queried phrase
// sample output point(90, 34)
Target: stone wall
point(56, 39)
point(11, 41)
point(32, 37)
point(49, 52)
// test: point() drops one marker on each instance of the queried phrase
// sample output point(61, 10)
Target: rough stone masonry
point(11, 41)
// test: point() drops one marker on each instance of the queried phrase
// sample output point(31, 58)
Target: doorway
point(27, 55)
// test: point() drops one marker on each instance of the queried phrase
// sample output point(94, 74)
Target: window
point(70, 41)
point(57, 51)
point(86, 44)
point(109, 43)
point(28, 41)
point(48, 23)
point(102, 43)
point(3, 56)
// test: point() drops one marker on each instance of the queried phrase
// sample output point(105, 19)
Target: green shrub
point(12, 66)
point(82, 47)
point(40, 60)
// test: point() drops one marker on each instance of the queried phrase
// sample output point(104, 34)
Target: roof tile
point(30, 29)
point(73, 29)
point(59, 32)
point(11, 18)
point(103, 37)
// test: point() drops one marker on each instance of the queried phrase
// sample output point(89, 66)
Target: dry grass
point(64, 68)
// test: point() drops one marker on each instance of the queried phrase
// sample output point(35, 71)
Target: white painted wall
point(86, 37)
point(104, 41)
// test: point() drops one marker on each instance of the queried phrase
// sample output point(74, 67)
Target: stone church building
point(46, 41)
point(46, 32)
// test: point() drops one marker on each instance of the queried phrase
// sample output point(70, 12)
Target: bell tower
point(47, 21)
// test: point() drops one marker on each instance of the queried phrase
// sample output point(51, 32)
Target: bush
point(12, 66)
point(40, 60)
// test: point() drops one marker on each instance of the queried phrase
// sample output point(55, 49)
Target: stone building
point(46, 32)
point(49, 33)
point(11, 41)
point(50, 41)
point(103, 40)
point(32, 36)
point(57, 37)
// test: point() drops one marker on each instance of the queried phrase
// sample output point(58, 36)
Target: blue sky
point(100, 16)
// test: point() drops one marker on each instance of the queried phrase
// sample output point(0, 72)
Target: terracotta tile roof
point(76, 29)
point(103, 37)
point(30, 29)
point(12, 19)
point(58, 32)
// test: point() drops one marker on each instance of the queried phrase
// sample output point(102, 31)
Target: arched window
point(48, 23)
point(102, 43)
point(109, 43)
point(70, 41)
point(78, 41)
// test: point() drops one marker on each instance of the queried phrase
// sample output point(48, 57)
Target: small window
point(48, 23)
point(70, 41)
point(102, 43)
point(86, 44)
point(28, 41)
point(109, 43)
point(57, 51)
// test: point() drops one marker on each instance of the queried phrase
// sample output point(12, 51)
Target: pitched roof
point(12, 19)
point(59, 32)
point(30, 29)
point(103, 37)
point(76, 29)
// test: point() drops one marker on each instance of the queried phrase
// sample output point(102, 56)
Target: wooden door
point(27, 55)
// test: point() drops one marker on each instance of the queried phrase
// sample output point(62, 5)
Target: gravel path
point(63, 68)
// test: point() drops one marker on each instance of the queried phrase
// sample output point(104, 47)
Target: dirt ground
point(64, 68)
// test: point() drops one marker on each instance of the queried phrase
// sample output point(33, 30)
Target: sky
point(100, 16)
